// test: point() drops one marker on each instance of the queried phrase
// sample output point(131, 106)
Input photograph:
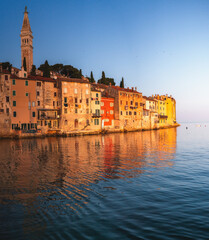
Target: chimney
point(152, 95)
point(135, 88)
point(132, 88)
point(127, 87)
point(166, 95)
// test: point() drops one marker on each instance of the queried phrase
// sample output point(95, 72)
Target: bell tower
point(26, 43)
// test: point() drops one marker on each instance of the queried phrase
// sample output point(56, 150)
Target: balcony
point(94, 115)
point(163, 116)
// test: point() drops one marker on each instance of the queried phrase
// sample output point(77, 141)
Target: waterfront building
point(107, 112)
point(150, 113)
point(162, 110)
point(47, 103)
point(128, 109)
point(95, 109)
point(23, 103)
point(5, 107)
point(75, 104)
point(170, 109)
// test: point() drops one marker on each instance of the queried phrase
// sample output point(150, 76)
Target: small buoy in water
point(186, 127)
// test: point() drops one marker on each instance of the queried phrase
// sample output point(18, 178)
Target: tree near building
point(24, 64)
point(92, 78)
point(7, 66)
point(106, 81)
point(122, 83)
point(33, 70)
point(80, 71)
point(46, 69)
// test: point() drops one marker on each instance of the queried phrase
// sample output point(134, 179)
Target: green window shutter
point(14, 103)
point(14, 93)
point(13, 82)
point(26, 83)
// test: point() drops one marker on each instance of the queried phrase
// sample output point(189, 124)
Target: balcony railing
point(94, 115)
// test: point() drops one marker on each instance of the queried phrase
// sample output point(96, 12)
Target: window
point(76, 100)
point(13, 82)
point(131, 102)
point(33, 114)
point(65, 100)
point(87, 101)
point(136, 104)
point(97, 112)
point(55, 94)
point(7, 99)
point(111, 104)
point(65, 90)
point(80, 100)
point(37, 93)
point(130, 113)
point(97, 102)
point(55, 85)
point(26, 83)
point(87, 91)
point(53, 103)
point(38, 84)
point(14, 114)
point(38, 103)
point(96, 121)
point(33, 104)
point(87, 111)
point(57, 103)
point(14, 93)
point(65, 110)
point(26, 94)
point(75, 90)
point(14, 103)
point(134, 113)
point(121, 113)
point(97, 95)
point(111, 111)
point(6, 77)
point(76, 110)
point(121, 102)
point(126, 112)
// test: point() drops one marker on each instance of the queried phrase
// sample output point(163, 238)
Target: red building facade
point(107, 112)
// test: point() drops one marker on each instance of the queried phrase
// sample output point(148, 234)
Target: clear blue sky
point(159, 46)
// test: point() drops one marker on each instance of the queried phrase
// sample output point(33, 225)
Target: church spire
point(26, 43)
point(26, 23)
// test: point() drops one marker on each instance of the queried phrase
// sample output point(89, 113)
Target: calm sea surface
point(144, 185)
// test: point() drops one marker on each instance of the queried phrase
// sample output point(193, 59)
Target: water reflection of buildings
point(29, 166)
